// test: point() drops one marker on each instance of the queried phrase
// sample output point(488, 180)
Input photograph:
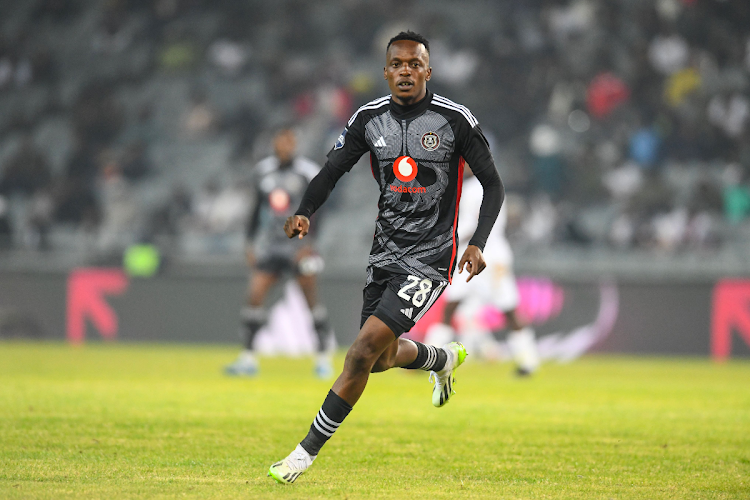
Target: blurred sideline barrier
point(670, 317)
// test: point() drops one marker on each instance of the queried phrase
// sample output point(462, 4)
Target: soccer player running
point(499, 289)
point(282, 180)
point(417, 142)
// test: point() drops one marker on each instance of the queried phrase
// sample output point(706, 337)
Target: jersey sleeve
point(476, 151)
point(347, 151)
point(253, 220)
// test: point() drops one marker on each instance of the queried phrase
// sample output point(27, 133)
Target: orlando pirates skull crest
point(430, 141)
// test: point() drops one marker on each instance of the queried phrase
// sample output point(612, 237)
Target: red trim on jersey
point(459, 186)
point(376, 180)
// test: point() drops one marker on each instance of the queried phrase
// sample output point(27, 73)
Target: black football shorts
point(277, 264)
point(399, 300)
point(308, 265)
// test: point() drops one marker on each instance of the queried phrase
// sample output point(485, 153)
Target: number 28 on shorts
point(419, 296)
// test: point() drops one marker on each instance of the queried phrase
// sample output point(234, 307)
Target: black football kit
point(417, 155)
point(279, 189)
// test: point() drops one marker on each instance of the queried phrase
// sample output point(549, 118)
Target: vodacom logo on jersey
point(405, 168)
point(279, 200)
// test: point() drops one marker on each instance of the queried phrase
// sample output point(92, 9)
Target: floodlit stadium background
point(620, 129)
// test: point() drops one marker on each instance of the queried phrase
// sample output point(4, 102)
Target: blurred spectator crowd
point(618, 124)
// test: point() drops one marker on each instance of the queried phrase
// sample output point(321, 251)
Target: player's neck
point(406, 111)
point(409, 102)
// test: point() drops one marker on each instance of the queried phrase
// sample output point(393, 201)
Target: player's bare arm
point(473, 261)
point(297, 225)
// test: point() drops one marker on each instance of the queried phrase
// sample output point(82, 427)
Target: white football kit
point(496, 285)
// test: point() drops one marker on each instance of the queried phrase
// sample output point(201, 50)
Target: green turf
point(145, 421)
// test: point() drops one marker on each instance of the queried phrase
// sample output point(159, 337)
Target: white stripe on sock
point(329, 421)
point(323, 431)
point(324, 425)
point(431, 357)
point(427, 359)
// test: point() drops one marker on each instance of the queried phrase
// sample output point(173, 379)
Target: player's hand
point(473, 260)
point(297, 225)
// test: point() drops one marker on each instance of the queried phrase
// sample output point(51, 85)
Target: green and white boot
point(288, 470)
point(444, 379)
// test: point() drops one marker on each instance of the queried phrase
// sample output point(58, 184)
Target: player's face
point(284, 145)
point(407, 69)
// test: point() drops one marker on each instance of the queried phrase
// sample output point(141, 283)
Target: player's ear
point(385, 73)
point(429, 74)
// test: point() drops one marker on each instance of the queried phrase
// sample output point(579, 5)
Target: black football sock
point(253, 319)
point(429, 358)
point(322, 327)
point(327, 421)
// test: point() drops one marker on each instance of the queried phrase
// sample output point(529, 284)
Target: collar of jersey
point(412, 110)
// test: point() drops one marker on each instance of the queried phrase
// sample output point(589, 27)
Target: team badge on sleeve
point(341, 140)
point(430, 141)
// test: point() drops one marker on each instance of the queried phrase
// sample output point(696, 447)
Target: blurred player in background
point(496, 287)
point(417, 143)
point(281, 181)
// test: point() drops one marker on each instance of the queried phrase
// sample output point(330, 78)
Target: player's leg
point(404, 301)
point(253, 316)
point(520, 339)
point(522, 344)
point(439, 361)
point(399, 354)
point(442, 332)
point(450, 311)
point(458, 291)
point(321, 324)
point(376, 344)
point(373, 339)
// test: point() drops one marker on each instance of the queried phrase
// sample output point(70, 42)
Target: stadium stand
point(620, 127)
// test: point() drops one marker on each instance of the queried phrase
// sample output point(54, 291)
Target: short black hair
point(409, 35)
point(282, 129)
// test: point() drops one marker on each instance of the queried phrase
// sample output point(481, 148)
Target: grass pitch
point(154, 421)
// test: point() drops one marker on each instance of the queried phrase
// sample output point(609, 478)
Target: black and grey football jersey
point(417, 155)
point(278, 192)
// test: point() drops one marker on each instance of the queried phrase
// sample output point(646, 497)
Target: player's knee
point(361, 357)
point(310, 266)
point(383, 363)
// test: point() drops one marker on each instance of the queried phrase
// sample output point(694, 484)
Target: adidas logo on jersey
point(380, 143)
point(408, 312)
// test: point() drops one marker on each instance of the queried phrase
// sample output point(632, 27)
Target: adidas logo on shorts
point(408, 312)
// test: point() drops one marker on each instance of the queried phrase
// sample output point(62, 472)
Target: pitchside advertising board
point(570, 318)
